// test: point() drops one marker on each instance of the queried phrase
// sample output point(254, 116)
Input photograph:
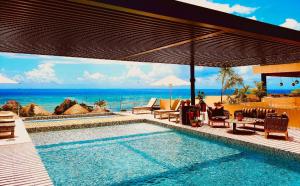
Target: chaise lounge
point(164, 111)
point(7, 123)
point(148, 107)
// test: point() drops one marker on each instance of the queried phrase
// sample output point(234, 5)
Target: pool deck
point(274, 144)
point(20, 163)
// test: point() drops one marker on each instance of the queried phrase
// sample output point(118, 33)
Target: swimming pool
point(146, 154)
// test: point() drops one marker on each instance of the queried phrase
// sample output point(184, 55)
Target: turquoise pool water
point(145, 154)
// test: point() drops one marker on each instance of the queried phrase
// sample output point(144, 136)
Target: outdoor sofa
point(257, 114)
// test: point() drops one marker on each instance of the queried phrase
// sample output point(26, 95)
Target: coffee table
point(243, 122)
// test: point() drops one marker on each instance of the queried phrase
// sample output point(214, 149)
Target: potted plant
point(194, 122)
point(239, 116)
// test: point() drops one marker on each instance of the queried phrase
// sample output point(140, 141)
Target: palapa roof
point(38, 110)
point(76, 109)
point(159, 31)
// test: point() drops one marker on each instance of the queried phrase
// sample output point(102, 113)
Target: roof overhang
point(143, 31)
point(282, 70)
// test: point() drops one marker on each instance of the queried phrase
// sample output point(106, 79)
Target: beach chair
point(7, 123)
point(174, 108)
point(148, 107)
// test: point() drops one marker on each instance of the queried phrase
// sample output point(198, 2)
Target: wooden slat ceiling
point(143, 31)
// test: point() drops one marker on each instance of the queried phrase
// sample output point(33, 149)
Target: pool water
point(146, 154)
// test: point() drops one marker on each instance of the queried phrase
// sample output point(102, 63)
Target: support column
point(264, 81)
point(192, 72)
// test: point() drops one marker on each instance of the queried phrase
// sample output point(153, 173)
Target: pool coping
point(83, 125)
point(66, 116)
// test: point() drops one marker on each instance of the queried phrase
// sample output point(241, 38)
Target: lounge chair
point(148, 107)
point(7, 125)
point(174, 108)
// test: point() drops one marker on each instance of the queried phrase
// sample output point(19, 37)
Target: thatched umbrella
point(98, 109)
point(34, 110)
point(76, 109)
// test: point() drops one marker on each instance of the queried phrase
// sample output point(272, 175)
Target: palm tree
point(242, 93)
point(229, 79)
point(260, 90)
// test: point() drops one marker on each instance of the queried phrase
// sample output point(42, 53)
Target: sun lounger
point(7, 125)
point(174, 108)
point(148, 107)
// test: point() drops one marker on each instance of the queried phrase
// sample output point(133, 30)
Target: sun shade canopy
point(159, 31)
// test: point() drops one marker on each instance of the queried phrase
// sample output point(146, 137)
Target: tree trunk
point(223, 79)
point(222, 95)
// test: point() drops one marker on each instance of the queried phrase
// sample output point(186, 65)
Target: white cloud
point(91, 76)
point(252, 17)
point(291, 23)
point(44, 73)
point(208, 82)
point(135, 71)
point(244, 70)
point(18, 78)
point(156, 71)
point(221, 6)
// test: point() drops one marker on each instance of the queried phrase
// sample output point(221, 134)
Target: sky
point(35, 71)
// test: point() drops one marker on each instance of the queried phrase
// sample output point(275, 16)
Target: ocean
point(117, 99)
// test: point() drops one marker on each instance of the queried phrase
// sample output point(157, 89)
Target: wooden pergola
point(158, 31)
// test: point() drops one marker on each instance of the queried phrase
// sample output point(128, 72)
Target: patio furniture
point(7, 125)
point(218, 115)
point(256, 113)
point(174, 115)
point(6, 115)
point(276, 124)
point(174, 108)
point(236, 122)
point(148, 107)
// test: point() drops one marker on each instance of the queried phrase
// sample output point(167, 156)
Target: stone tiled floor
point(246, 135)
point(20, 164)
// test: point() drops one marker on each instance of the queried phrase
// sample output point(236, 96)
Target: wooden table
point(243, 122)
